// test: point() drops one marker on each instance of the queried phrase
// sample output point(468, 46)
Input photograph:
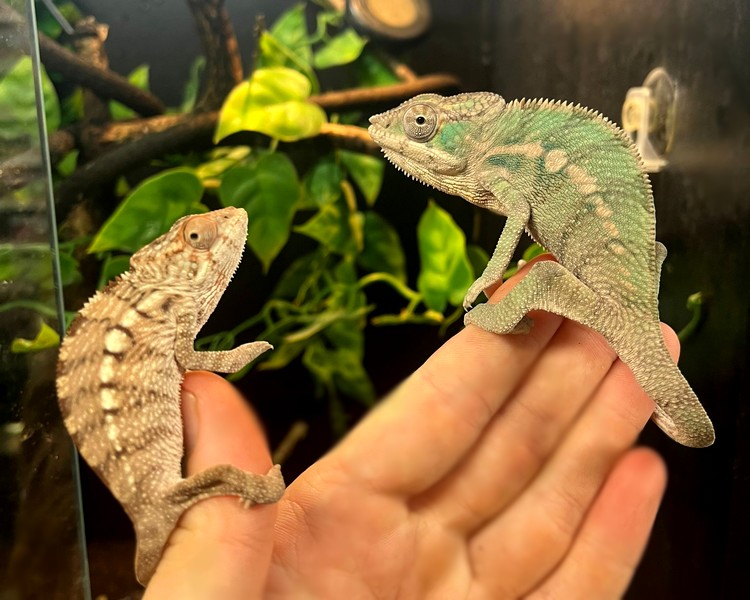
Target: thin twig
point(388, 93)
point(296, 433)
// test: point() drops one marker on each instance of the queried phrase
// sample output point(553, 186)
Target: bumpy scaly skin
point(121, 367)
point(575, 183)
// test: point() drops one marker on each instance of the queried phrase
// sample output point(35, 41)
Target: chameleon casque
point(575, 182)
point(120, 370)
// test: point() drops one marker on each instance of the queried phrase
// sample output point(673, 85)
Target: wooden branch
point(88, 41)
point(125, 145)
point(102, 82)
point(223, 61)
point(125, 131)
point(388, 93)
point(195, 131)
point(349, 137)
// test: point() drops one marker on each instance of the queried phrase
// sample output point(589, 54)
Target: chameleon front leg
point(547, 286)
point(518, 218)
point(222, 361)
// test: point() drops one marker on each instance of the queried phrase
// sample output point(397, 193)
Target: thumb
point(219, 549)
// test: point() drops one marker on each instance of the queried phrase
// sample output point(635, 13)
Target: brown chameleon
point(120, 370)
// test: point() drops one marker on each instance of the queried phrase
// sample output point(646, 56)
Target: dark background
point(590, 52)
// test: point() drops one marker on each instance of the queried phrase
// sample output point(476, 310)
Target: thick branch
point(195, 131)
point(89, 44)
point(103, 83)
point(126, 131)
point(138, 142)
point(223, 62)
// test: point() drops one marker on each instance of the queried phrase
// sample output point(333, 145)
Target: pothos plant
point(319, 306)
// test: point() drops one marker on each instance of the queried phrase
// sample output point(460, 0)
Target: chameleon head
point(434, 138)
point(197, 256)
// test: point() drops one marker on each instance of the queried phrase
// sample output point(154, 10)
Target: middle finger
point(518, 440)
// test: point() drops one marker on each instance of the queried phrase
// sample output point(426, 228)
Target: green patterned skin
point(575, 182)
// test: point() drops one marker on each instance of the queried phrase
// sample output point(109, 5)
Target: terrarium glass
point(41, 528)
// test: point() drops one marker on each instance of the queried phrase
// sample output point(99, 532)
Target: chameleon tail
point(678, 411)
point(155, 524)
point(152, 533)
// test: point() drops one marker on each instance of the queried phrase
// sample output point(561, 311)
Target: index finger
point(419, 433)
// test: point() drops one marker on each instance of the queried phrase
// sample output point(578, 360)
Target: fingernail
point(190, 419)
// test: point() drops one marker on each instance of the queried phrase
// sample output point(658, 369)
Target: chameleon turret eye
point(200, 232)
point(420, 122)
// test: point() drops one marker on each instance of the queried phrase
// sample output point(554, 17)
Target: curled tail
point(154, 522)
point(678, 411)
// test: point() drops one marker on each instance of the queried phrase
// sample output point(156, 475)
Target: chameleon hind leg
point(547, 286)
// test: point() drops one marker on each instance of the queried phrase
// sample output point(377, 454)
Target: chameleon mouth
point(380, 136)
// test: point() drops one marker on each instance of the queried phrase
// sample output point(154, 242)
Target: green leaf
point(346, 335)
point(446, 272)
point(139, 78)
point(366, 171)
point(69, 272)
point(18, 117)
point(269, 191)
point(72, 107)
point(341, 367)
point(32, 265)
point(190, 93)
point(48, 25)
point(46, 338)
point(372, 71)
point(112, 267)
point(478, 259)
point(150, 210)
point(122, 187)
point(282, 355)
point(220, 160)
point(291, 30)
point(532, 251)
point(274, 53)
point(323, 19)
point(332, 227)
point(340, 50)
point(322, 183)
point(274, 102)
point(382, 248)
point(352, 378)
point(68, 163)
point(296, 275)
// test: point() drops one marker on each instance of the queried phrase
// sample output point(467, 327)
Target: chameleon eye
point(200, 233)
point(420, 122)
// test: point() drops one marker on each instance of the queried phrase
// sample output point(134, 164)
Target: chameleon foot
point(490, 317)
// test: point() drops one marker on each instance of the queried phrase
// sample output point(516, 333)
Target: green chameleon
point(575, 182)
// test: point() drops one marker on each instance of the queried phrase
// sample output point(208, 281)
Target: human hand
point(502, 468)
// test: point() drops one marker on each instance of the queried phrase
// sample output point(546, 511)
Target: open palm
point(503, 468)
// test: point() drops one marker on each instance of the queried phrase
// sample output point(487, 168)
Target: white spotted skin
point(119, 377)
